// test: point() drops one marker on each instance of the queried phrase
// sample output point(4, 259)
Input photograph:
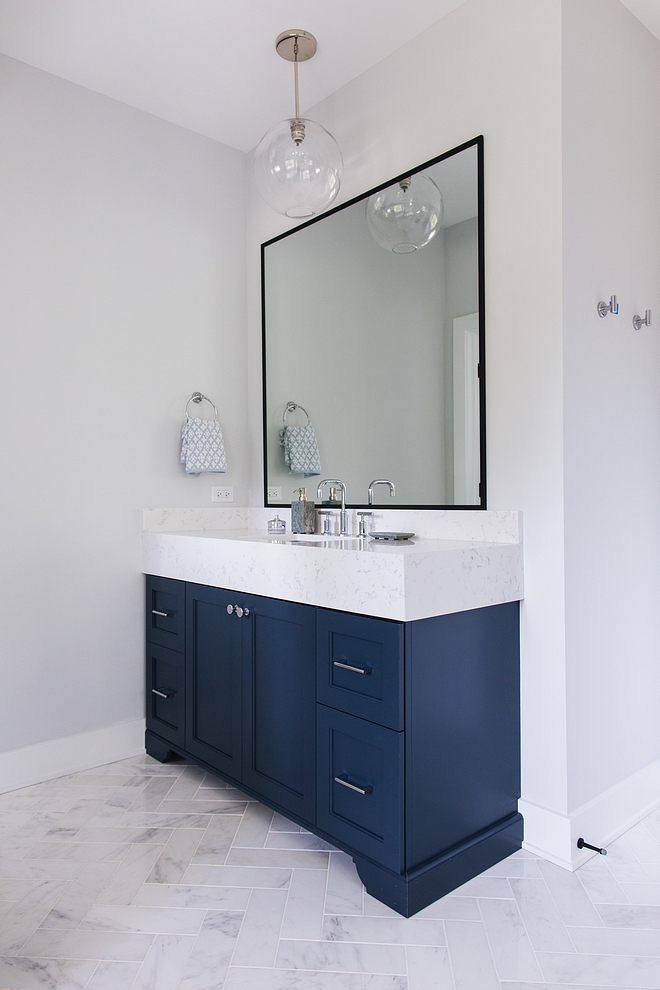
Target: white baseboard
point(601, 820)
point(44, 761)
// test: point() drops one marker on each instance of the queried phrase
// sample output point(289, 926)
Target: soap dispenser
point(303, 513)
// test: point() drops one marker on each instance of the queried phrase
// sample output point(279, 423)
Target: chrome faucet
point(380, 481)
point(343, 515)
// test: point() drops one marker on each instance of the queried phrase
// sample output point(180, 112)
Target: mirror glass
point(381, 352)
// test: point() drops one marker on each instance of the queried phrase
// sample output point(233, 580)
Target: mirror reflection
point(372, 341)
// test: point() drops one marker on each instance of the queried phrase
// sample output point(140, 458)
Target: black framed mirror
point(373, 357)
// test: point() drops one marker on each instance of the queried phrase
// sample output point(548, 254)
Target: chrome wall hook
point(638, 322)
point(611, 307)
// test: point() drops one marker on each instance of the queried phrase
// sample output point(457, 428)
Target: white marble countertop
point(402, 581)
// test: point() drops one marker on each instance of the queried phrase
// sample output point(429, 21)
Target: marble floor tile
point(180, 895)
point(113, 976)
point(269, 979)
point(260, 933)
point(470, 956)
point(616, 941)
point(145, 920)
point(115, 833)
point(278, 858)
point(429, 968)
point(452, 908)
point(217, 840)
point(540, 916)
point(346, 957)
point(131, 873)
point(600, 885)
point(176, 856)
point(253, 830)
point(643, 844)
point(297, 840)
point(79, 896)
point(282, 824)
point(236, 876)
point(87, 945)
point(83, 851)
point(394, 931)
point(630, 916)
point(509, 943)
point(569, 895)
point(39, 869)
point(45, 974)
point(165, 963)
point(13, 890)
point(28, 913)
point(642, 893)
point(608, 970)
point(303, 915)
point(149, 796)
point(345, 889)
point(212, 952)
point(489, 886)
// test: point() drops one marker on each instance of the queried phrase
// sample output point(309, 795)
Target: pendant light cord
point(295, 76)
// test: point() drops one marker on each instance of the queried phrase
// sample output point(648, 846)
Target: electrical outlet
point(222, 494)
point(274, 493)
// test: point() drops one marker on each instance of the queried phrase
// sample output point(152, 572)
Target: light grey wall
point(122, 267)
point(611, 394)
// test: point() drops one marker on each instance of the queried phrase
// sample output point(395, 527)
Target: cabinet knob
point(239, 611)
point(246, 613)
point(230, 609)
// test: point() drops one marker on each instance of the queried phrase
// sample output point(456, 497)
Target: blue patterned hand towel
point(301, 450)
point(202, 446)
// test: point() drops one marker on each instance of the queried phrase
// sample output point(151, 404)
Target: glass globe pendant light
point(406, 216)
point(297, 164)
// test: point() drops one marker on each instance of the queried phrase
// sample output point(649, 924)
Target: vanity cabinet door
point(165, 708)
point(279, 739)
point(360, 785)
point(214, 640)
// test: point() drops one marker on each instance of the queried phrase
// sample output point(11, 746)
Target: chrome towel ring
point(198, 397)
point(291, 407)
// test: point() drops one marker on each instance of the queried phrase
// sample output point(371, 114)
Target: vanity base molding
point(408, 893)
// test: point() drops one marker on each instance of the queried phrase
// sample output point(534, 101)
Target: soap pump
point(303, 513)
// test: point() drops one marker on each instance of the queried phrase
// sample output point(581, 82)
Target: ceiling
point(211, 65)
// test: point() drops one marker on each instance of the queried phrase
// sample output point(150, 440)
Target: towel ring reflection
point(198, 397)
point(291, 407)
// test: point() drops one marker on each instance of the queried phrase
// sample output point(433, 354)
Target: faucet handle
point(363, 516)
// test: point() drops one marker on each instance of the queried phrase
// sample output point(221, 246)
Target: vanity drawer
point(360, 666)
point(165, 687)
point(166, 613)
point(360, 785)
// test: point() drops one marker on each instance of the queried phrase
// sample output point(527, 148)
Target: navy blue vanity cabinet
point(279, 686)
point(214, 673)
point(165, 668)
point(398, 742)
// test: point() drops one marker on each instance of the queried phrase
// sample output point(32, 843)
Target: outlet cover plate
point(222, 494)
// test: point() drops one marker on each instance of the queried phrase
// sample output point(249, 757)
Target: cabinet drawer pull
point(165, 615)
point(354, 787)
point(348, 666)
point(163, 694)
